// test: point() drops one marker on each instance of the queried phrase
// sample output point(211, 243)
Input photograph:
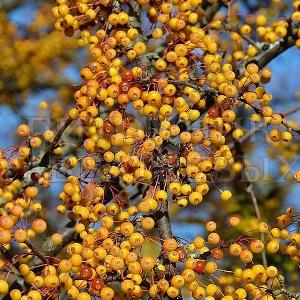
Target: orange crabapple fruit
point(159, 122)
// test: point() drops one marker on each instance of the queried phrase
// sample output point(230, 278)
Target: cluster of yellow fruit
point(158, 127)
point(112, 254)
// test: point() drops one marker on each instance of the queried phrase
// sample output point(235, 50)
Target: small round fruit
point(3, 287)
point(39, 226)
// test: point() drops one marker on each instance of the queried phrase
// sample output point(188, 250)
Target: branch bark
point(268, 52)
point(164, 225)
point(165, 231)
point(68, 235)
point(45, 158)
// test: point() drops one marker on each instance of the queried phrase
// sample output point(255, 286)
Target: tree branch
point(270, 51)
point(45, 158)
point(259, 111)
point(284, 291)
point(36, 252)
point(261, 126)
point(251, 193)
point(164, 225)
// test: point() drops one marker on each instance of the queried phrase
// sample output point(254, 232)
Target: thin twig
point(45, 158)
point(251, 192)
point(283, 122)
point(261, 126)
point(36, 252)
point(271, 51)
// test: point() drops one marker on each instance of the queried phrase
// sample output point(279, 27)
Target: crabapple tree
point(157, 134)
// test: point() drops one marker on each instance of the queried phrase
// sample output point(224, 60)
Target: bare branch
point(284, 291)
point(36, 252)
point(261, 126)
point(164, 225)
point(251, 192)
point(45, 159)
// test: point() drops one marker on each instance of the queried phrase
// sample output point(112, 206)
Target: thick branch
point(165, 230)
point(266, 56)
point(269, 52)
point(164, 225)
